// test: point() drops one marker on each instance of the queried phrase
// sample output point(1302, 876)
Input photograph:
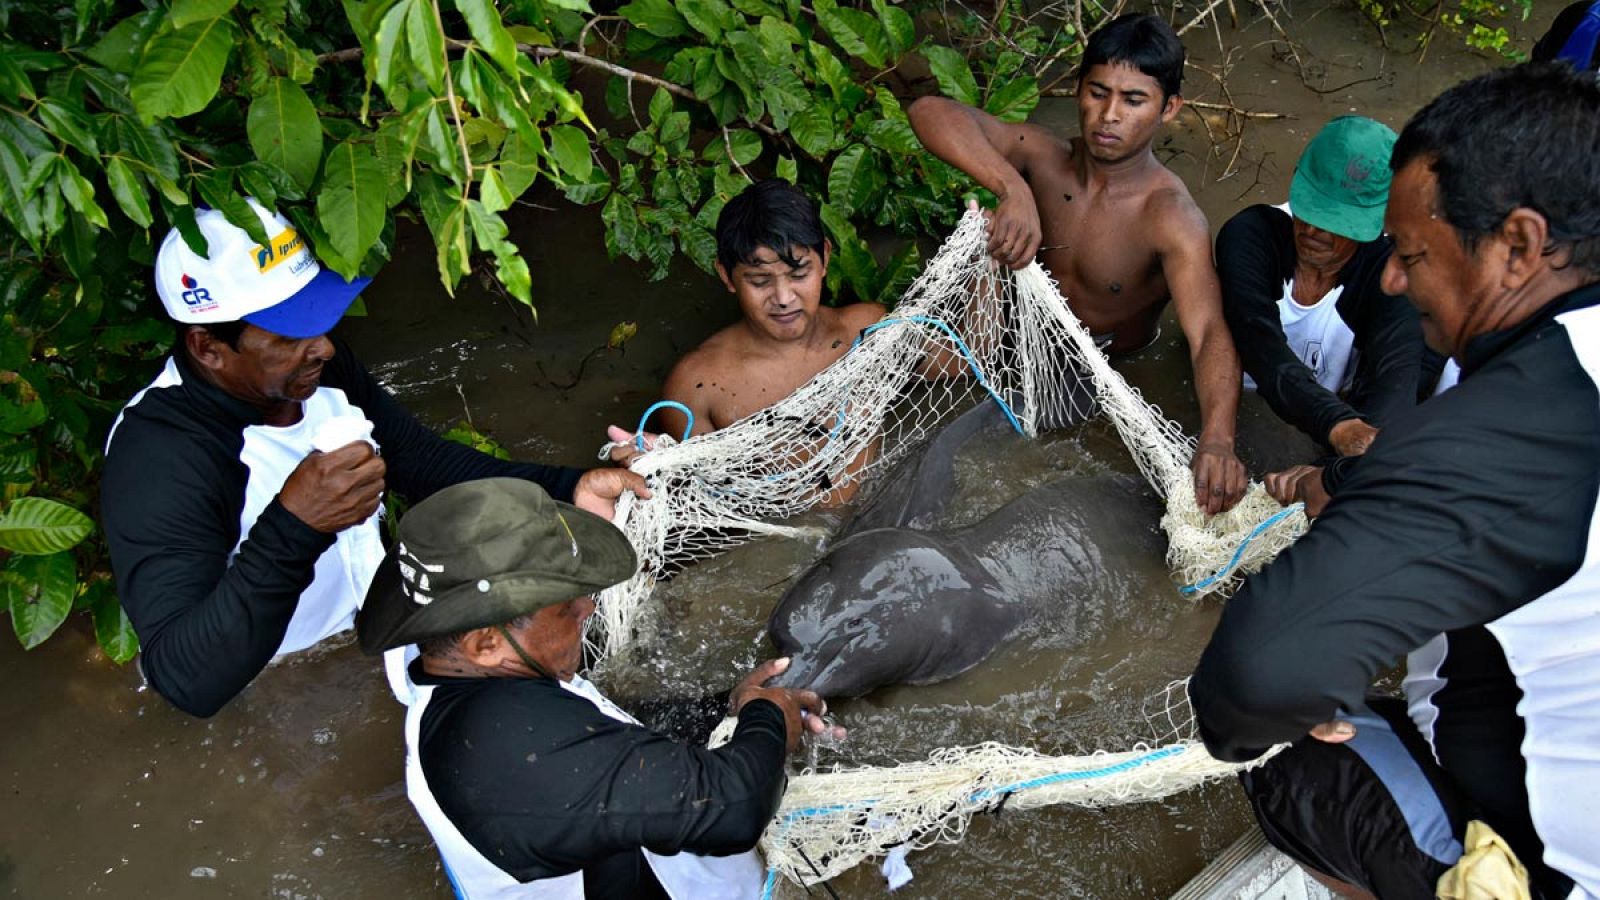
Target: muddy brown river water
point(295, 790)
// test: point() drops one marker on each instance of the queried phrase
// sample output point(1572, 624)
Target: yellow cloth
point(1487, 870)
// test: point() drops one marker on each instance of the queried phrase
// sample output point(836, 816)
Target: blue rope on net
point(688, 429)
point(1255, 532)
point(961, 345)
point(980, 796)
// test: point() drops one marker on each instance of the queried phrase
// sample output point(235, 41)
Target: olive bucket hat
point(482, 553)
point(1341, 183)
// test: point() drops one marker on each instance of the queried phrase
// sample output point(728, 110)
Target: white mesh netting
point(965, 326)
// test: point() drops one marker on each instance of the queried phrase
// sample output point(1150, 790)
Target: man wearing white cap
point(242, 487)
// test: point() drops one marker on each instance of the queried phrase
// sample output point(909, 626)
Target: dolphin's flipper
point(918, 488)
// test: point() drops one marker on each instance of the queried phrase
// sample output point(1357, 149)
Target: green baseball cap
point(1341, 183)
point(482, 553)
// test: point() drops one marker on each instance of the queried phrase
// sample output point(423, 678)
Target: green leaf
point(284, 130)
point(39, 591)
point(622, 227)
point(812, 128)
point(188, 12)
point(581, 6)
point(898, 27)
point(853, 179)
point(788, 170)
point(851, 256)
point(390, 37)
point(569, 147)
point(111, 626)
point(216, 189)
point(893, 135)
point(149, 145)
point(483, 22)
point(746, 145)
point(181, 70)
point(858, 33)
point(16, 202)
point(658, 17)
point(118, 49)
point(709, 17)
point(1013, 100)
point(351, 205)
point(950, 68)
point(68, 124)
point(492, 191)
point(700, 246)
point(14, 82)
point(660, 106)
point(519, 162)
point(79, 193)
point(425, 43)
point(37, 526)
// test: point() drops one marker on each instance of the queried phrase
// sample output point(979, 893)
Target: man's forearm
point(952, 132)
point(1216, 387)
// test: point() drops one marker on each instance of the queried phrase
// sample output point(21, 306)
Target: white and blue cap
point(277, 286)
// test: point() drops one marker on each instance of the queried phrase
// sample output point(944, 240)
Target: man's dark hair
point(226, 332)
point(1526, 136)
point(446, 644)
point(1140, 40)
point(773, 214)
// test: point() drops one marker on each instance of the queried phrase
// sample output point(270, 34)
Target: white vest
point(684, 876)
point(328, 605)
point(1318, 335)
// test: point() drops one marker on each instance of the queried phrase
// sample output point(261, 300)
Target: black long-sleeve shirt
point(1255, 258)
point(1467, 537)
point(171, 502)
point(542, 783)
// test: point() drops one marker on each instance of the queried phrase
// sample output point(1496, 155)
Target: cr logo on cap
point(194, 294)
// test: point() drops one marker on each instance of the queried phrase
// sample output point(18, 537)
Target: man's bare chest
point(1098, 248)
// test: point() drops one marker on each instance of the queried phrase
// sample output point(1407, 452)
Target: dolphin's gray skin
point(901, 605)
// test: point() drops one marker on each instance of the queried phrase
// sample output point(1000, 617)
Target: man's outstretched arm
point(1185, 247)
point(995, 154)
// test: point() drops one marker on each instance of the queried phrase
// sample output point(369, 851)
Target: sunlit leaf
point(1013, 99)
point(188, 12)
point(425, 43)
point(569, 147)
point(812, 128)
point(950, 69)
point(181, 70)
point(658, 17)
point(39, 591)
point(284, 130)
point(112, 629)
point(37, 526)
point(68, 124)
point(79, 193)
point(483, 21)
point(858, 33)
point(351, 205)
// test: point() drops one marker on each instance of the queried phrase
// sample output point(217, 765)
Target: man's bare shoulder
point(857, 316)
point(1173, 215)
point(716, 356)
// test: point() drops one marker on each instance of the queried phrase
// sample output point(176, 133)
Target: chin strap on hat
point(522, 654)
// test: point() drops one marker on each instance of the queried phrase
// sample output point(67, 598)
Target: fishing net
point(830, 821)
point(965, 326)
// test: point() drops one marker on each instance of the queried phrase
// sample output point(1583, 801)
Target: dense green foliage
point(117, 118)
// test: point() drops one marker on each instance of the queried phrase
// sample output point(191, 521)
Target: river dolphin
point(896, 602)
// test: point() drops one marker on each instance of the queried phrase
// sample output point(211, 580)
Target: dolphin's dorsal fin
point(917, 488)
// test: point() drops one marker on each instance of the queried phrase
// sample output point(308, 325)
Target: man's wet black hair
point(773, 214)
point(1528, 136)
point(1140, 40)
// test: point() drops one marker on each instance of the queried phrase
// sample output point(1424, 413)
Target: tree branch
point(582, 59)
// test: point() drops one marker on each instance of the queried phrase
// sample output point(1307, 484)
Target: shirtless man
point(772, 256)
point(1116, 228)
